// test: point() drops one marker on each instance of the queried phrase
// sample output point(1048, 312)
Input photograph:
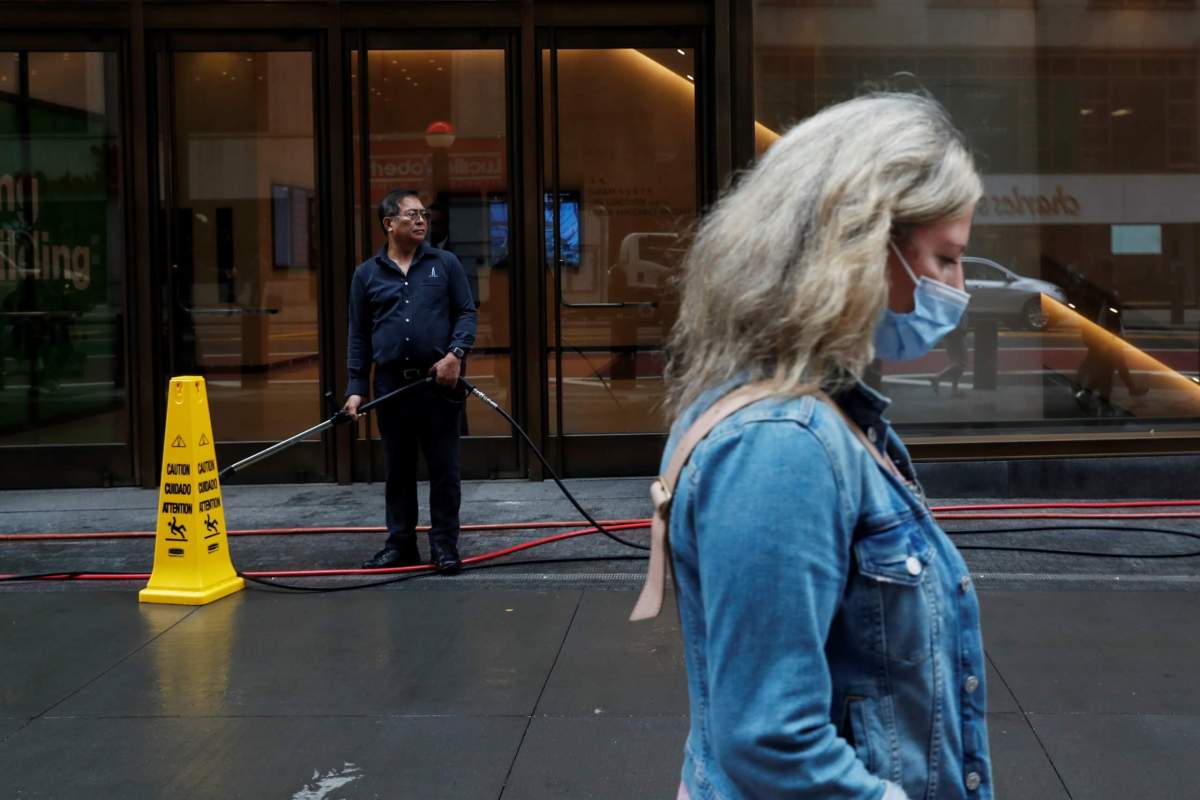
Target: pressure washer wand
point(337, 419)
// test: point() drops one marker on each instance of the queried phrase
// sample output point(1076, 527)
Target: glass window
point(437, 125)
point(1085, 307)
point(62, 251)
point(245, 239)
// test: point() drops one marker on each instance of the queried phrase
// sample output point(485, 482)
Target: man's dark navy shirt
point(409, 321)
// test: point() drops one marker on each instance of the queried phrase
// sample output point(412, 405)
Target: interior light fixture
point(680, 51)
point(690, 78)
point(1085, 112)
point(1122, 112)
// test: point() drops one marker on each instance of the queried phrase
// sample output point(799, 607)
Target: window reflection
point(626, 169)
point(1085, 307)
point(244, 237)
point(62, 270)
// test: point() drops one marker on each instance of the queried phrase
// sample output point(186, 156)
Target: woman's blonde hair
point(786, 276)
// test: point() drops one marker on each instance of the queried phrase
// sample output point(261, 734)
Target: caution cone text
point(191, 553)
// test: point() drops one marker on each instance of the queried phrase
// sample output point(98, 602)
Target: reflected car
point(996, 291)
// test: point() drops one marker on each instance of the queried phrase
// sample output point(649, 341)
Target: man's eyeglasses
point(412, 215)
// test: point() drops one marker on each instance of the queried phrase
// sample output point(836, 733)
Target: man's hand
point(447, 370)
point(352, 404)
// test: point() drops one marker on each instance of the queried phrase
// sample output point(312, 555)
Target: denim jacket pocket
point(895, 565)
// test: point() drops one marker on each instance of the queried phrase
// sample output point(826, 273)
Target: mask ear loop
point(903, 262)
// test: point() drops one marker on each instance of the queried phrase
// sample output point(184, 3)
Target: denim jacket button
point(973, 781)
point(964, 583)
point(971, 684)
point(913, 565)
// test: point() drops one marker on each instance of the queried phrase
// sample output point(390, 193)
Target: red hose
point(490, 526)
point(941, 512)
point(1025, 506)
point(1161, 515)
point(316, 573)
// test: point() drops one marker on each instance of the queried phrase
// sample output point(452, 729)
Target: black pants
point(425, 417)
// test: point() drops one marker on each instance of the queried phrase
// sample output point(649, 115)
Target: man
point(412, 315)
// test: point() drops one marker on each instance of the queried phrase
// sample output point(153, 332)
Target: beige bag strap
point(650, 601)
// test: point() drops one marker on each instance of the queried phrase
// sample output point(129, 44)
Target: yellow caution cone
point(191, 552)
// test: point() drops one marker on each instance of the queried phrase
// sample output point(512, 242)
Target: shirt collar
point(383, 259)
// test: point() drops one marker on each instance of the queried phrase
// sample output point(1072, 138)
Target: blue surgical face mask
point(937, 311)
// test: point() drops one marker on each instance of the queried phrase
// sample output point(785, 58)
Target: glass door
point(431, 114)
point(64, 378)
point(243, 260)
point(621, 180)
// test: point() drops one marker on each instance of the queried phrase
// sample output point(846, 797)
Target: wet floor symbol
point(210, 525)
point(178, 531)
point(322, 783)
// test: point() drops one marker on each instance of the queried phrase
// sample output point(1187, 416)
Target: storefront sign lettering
point(12, 194)
point(26, 252)
point(1015, 203)
point(399, 166)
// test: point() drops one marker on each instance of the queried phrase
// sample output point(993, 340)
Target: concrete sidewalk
point(523, 682)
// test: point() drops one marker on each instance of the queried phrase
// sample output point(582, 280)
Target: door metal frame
point(481, 456)
point(118, 463)
point(308, 460)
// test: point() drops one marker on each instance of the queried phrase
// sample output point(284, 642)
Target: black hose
point(471, 389)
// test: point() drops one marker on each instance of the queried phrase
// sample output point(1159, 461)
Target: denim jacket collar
point(864, 405)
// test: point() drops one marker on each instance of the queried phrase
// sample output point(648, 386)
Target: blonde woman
point(832, 632)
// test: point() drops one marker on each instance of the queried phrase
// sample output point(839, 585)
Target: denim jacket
point(831, 628)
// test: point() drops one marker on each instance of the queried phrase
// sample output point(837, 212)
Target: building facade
point(185, 188)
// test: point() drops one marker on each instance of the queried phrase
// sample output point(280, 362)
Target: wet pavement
point(519, 682)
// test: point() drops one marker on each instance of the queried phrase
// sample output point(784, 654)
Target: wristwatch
point(458, 351)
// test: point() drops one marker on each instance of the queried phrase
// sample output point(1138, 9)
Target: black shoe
point(445, 559)
point(393, 557)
